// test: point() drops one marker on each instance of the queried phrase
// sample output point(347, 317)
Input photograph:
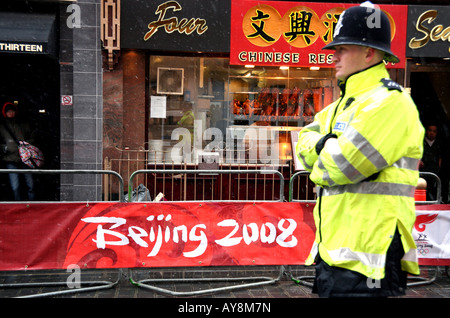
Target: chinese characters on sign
point(292, 33)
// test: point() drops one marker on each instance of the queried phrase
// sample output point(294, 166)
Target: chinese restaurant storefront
point(428, 70)
point(222, 85)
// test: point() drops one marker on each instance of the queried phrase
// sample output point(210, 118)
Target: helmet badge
point(339, 25)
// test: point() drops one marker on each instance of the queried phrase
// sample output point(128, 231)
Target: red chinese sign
point(293, 33)
point(127, 235)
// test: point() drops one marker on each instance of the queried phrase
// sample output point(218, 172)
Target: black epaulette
point(390, 85)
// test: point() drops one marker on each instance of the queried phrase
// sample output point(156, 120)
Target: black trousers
point(331, 281)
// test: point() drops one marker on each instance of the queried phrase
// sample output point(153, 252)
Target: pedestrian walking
point(11, 129)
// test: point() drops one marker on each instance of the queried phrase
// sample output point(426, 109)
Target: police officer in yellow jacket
point(363, 152)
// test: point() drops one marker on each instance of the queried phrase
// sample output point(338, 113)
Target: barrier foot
point(420, 280)
point(301, 280)
point(423, 280)
point(259, 281)
point(99, 285)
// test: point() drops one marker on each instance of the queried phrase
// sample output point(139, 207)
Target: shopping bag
point(31, 155)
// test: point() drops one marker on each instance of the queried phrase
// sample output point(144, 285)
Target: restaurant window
point(204, 105)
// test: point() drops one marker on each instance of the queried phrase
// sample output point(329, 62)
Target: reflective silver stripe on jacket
point(351, 172)
point(410, 256)
point(314, 126)
point(407, 163)
point(363, 145)
point(368, 259)
point(354, 175)
point(380, 188)
point(326, 175)
point(342, 164)
point(302, 158)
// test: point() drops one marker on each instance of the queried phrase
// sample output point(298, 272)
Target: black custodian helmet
point(366, 26)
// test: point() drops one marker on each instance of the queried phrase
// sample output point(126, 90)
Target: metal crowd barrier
point(254, 281)
point(257, 281)
point(62, 171)
point(419, 279)
point(94, 284)
point(438, 188)
point(291, 187)
point(210, 172)
point(303, 280)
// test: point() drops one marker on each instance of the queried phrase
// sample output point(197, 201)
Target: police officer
point(363, 152)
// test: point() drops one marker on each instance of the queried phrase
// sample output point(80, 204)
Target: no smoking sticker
point(66, 100)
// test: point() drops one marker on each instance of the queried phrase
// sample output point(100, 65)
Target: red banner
point(126, 235)
point(432, 234)
point(293, 33)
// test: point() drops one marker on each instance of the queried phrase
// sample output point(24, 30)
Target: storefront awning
point(27, 33)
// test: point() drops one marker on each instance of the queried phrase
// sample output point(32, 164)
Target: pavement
point(265, 283)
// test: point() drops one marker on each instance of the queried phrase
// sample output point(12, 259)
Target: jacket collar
point(363, 80)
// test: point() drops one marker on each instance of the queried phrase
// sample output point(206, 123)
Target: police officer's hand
point(321, 144)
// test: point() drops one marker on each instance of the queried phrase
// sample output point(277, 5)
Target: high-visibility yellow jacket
point(367, 175)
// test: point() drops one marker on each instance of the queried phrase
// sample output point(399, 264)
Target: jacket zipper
point(320, 215)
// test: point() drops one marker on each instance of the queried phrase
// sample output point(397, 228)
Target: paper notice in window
point(158, 105)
